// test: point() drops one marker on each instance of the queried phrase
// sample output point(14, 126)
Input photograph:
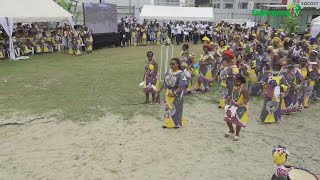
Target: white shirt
point(172, 29)
point(209, 31)
point(186, 31)
point(179, 29)
point(202, 28)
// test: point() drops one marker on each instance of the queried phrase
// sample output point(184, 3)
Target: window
point(259, 5)
point(228, 6)
point(243, 5)
point(216, 6)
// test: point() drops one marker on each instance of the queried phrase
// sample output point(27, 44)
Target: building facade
point(243, 4)
point(181, 3)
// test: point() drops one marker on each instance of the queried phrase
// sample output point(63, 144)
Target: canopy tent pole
point(7, 24)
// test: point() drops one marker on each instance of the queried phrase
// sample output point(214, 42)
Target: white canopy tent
point(315, 29)
point(15, 11)
point(176, 13)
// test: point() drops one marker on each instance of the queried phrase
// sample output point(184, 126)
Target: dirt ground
point(113, 148)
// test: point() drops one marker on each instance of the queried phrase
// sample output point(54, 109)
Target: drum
point(301, 174)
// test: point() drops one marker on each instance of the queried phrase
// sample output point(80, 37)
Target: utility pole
point(212, 9)
point(130, 7)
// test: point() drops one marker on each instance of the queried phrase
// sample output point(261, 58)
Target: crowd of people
point(154, 32)
point(282, 67)
point(36, 39)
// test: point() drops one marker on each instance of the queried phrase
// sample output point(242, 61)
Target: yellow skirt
point(71, 51)
point(169, 123)
point(38, 49)
point(45, 49)
point(89, 48)
point(1, 54)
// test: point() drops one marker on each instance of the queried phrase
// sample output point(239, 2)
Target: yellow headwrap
point(205, 38)
point(279, 31)
point(279, 155)
point(279, 158)
point(278, 40)
point(269, 48)
point(184, 65)
point(287, 39)
point(237, 37)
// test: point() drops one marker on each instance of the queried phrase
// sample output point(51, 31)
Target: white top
point(209, 31)
point(179, 29)
point(172, 29)
point(202, 28)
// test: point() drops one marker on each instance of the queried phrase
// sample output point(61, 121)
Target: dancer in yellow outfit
point(44, 44)
point(187, 62)
point(222, 46)
point(150, 77)
point(173, 106)
point(88, 40)
point(77, 41)
point(305, 91)
point(24, 49)
point(158, 36)
point(205, 75)
point(143, 37)
point(35, 43)
point(133, 35)
point(227, 71)
point(276, 84)
point(70, 39)
point(277, 44)
point(312, 78)
point(237, 108)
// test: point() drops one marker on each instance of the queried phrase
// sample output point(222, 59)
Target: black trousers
point(195, 39)
point(187, 38)
point(179, 38)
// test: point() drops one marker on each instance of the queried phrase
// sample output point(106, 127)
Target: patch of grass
point(86, 87)
point(81, 88)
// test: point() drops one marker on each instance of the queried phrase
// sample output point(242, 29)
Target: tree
point(290, 25)
point(65, 4)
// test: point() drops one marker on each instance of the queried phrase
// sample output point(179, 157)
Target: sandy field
point(114, 148)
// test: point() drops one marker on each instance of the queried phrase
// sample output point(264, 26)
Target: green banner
point(259, 12)
point(293, 11)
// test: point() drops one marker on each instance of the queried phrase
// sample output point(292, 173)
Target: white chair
point(59, 47)
point(17, 52)
point(32, 50)
point(82, 45)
